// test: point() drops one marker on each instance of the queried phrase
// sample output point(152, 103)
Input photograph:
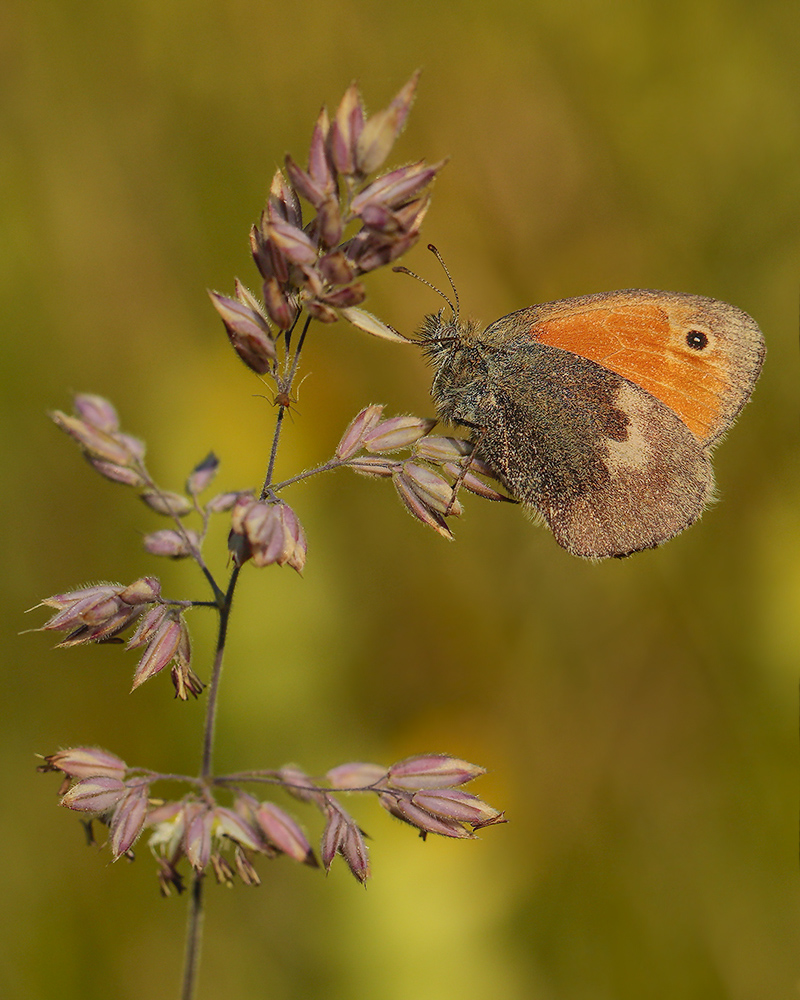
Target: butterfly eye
point(697, 340)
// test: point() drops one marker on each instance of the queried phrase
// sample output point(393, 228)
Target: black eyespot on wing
point(697, 340)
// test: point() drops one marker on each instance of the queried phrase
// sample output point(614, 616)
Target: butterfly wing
point(609, 467)
point(698, 356)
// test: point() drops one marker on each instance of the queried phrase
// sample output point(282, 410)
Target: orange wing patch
point(643, 345)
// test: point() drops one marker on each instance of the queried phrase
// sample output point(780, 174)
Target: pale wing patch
point(634, 452)
point(660, 480)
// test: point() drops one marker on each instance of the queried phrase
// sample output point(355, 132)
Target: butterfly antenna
point(401, 269)
point(435, 251)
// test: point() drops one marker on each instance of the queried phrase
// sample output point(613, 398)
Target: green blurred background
point(638, 718)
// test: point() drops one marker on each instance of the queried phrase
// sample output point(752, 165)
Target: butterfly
point(599, 413)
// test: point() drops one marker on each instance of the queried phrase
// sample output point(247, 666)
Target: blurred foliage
point(638, 718)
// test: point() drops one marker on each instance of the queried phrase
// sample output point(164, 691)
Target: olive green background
point(638, 718)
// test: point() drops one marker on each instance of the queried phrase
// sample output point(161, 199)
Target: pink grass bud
point(161, 648)
point(355, 775)
point(228, 824)
point(136, 448)
point(149, 623)
point(439, 449)
point(339, 149)
point(376, 216)
point(239, 548)
point(471, 482)
point(329, 223)
point(96, 411)
point(298, 784)
point(433, 489)
point(242, 504)
point(377, 467)
point(282, 307)
point(235, 314)
point(332, 837)
point(321, 312)
point(409, 217)
point(171, 543)
point(168, 825)
point(116, 473)
point(70, 598)
point(274, 534)
point(319, 165)
point(311, 279)
point(305, 184)
point(102, 612)
point(197, 835)
point(376, 140)
point(419, 507)
point(353, 849)
point(396, 433)
point(455, 804)
point(167, 812)
point(145, 590)
point(293, 243)
point(266, 256)
point(184, 652)
point(377, 249)
point(354, 249)
point(128, 819)
point(86, 762)
point(167, 503)
point(269, 540)
point(405, 810)
point(90, 615)
point(103, 631)
point(283, 833)
point(345, 298)
point(432, 771)
point(97, 443)
point(67, 616)
point(335, 268)
point(353, 438)
point(246, 297)
point(283, 203)
point(481, 468)
point(342, 836)
point(297, 558)
point(96, 795)
point(345, 130)
point(248, 331)
point(221, 502)
point(76, 604)
point(392, 190)
point(381, 130)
